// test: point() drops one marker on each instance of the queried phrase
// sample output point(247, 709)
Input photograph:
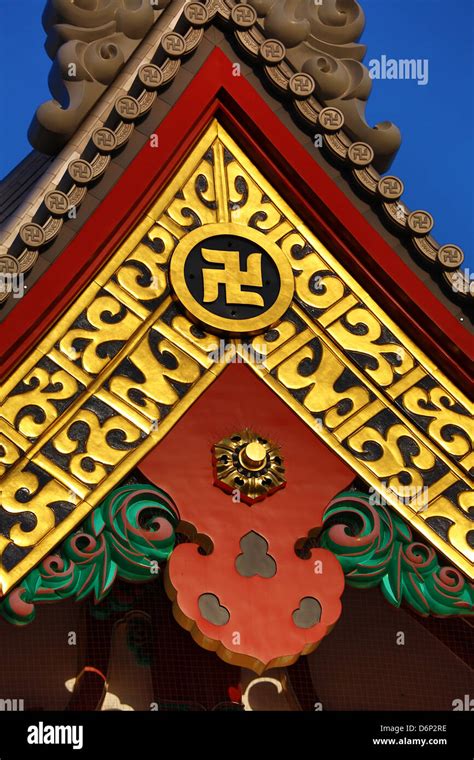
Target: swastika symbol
point(56, 201)
point(150, 75)
point(301, 84)
point(331, 119)
point(32, 234)
point(272, 51)
point(450, 256)
point(420, 221)
point(173, 43)
point(80, 171)
point(244, 15)
point(232, 277)
point(8, 265)
point(196, 13)
point(104, 138)
point(390, 187)
point(127, 107)
point(360, 154)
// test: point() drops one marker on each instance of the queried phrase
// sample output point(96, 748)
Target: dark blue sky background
point(435, 160)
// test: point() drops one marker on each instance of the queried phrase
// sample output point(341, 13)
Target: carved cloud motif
point(89, 41)
point(321, 40)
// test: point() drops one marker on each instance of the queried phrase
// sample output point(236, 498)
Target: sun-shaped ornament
point(250, 464)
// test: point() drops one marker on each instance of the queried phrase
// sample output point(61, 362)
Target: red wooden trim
point(311, 192)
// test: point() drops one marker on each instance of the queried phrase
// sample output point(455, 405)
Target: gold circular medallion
point(231, 278)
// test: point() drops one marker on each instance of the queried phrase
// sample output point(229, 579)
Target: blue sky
point(436, 157)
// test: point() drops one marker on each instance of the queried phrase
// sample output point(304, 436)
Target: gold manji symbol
point(231, 278)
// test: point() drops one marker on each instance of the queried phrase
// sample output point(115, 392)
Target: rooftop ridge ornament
point(88, 41)
point(42, 223)
point(320, 40)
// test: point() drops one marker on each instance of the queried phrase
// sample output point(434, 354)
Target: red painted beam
point(303, 183)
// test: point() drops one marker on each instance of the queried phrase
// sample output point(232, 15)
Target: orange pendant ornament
point(239, 587)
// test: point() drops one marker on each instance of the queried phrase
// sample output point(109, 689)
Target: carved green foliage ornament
point(125, 537)
point(375, 547)
point(134, 529)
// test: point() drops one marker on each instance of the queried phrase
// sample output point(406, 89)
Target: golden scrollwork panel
point(154, 376)
point(93, 442)
point(32, 504)
point(335, 301)
point(385, 452)
point(196, 202)
point(249, 205)
point(451, 516)
point(12, 445)
point(126, 360)
point(443, 419)
point(99, 333)
point(396, 456)
point(371, 346)
point(79, 464)
point(328, 390)
point(141, 280)
point(40, 398)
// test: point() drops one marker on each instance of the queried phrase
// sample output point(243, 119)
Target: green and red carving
point(127, 537)
point(375, 547)
point(238, 586)
point(133, 531)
